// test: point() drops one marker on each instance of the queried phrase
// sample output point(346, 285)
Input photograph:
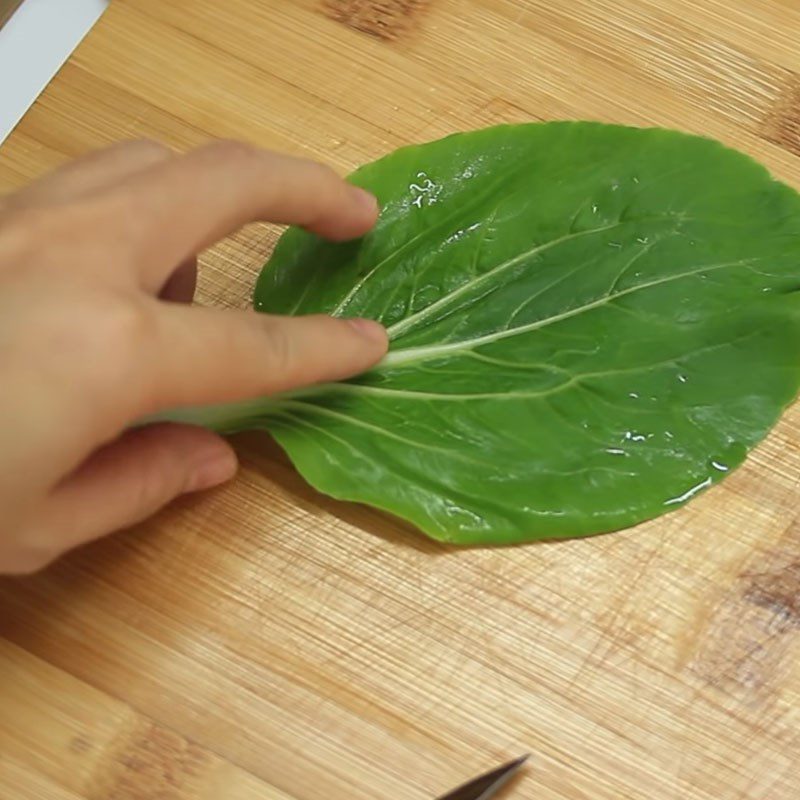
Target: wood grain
point(7, 8)
point(263, 641)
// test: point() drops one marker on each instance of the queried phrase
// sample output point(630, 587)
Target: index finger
point(184, 205)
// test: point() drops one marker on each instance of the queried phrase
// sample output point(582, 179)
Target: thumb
point(203, 356)
point(125, 482)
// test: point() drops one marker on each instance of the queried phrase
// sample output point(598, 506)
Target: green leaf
point(589, 325)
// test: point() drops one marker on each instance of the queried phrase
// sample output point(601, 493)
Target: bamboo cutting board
point(7, 8)
point(262, 641)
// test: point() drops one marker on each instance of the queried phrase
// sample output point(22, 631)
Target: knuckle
point(26, 223)
point(149, 149)
point(123, 323)
point(151, 489)
point(35, 233)
point(279, 350)
point(163, 478)
point(118, 338)
point(323, 174)
point(103, 325)
point(31, 235)
point(232, 150)
point(33, 554)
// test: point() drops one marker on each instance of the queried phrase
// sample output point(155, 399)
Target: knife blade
point(487, 785)
point(35, 41)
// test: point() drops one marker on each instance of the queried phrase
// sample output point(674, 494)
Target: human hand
point(97, 263)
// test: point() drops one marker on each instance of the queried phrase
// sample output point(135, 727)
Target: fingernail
point(215, 469)
point(369, 329)
point(365, 199)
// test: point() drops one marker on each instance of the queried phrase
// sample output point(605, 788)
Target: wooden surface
point(7, 8)
point(263, 641)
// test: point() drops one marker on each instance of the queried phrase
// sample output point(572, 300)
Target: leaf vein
point(410, 354)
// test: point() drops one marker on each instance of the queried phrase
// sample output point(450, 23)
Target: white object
point(34, 43)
